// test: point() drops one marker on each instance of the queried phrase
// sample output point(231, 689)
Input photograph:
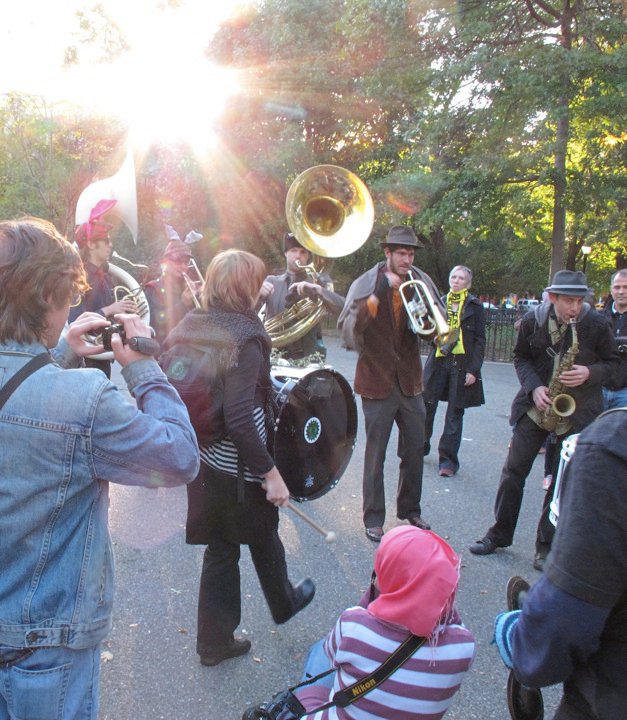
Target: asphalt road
point(150, 667)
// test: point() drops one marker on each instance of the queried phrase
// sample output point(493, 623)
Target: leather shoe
point(237, 647)
point(303, 594)
point(524, 703)
point(418, 522)
point(485, 546)
point(517, 589)
point(538, 562)
point(374, 533)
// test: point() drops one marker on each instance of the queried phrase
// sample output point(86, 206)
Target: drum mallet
point(329, 535)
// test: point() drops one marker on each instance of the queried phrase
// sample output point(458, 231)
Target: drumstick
point(329, 535)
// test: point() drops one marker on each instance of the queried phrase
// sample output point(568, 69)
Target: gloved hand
point(504, 624)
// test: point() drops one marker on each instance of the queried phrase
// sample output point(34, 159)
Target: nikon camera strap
point(353, 692)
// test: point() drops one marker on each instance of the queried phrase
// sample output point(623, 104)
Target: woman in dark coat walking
point(454, 374)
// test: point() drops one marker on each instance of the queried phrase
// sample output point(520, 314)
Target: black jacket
point(473, 334)
point(534, 366)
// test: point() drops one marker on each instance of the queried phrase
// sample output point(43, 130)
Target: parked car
point(525, 304)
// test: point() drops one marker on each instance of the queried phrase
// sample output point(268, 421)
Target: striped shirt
point(222, 455)
point(421, 689)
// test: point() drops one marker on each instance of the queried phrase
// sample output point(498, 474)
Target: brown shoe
point(374, 533)
point(418, 522)
point(237, 647)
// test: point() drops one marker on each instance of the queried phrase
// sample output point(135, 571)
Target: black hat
point(401, 235)
point(290, 241)
point(569, 282)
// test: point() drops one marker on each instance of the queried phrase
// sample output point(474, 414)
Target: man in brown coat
point(375, 323)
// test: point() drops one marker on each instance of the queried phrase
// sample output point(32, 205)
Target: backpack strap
point(31, 366)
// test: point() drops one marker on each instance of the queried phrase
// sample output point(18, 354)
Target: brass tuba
point(330, 212)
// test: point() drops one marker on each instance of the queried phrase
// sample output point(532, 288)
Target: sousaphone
point(330, 212)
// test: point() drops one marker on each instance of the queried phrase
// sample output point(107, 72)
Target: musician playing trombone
point(281, 291)
point(375, 322)
point(563, 343)
point(170, 297)
point(94, 245)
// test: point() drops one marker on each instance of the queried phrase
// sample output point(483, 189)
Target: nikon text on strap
point(353, 692)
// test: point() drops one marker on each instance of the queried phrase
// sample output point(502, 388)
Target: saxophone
point(563, 405)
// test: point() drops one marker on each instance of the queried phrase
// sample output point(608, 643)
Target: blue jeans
point(614, 398)
point(49, 683)
point(316, 663)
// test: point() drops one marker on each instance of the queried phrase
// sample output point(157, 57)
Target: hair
point(621, 272)
point(465, 269)
point(233, 280)
point(38, 268)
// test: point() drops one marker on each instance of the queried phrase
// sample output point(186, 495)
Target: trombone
point(195, 286)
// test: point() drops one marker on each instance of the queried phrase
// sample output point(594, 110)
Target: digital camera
point(283, 706)
point(110, 330)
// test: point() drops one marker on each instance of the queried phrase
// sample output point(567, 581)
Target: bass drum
point(315, 429)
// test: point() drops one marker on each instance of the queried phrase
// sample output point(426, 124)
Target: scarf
point(417, 573)
point(453, 318)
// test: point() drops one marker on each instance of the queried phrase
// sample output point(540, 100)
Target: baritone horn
point(425, 315)
point(330, 212)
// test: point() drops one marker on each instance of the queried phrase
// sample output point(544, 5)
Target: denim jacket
point(64, 435)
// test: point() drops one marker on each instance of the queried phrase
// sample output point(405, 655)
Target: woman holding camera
point(235, 498)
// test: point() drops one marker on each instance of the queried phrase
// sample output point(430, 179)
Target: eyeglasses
point(76, 299)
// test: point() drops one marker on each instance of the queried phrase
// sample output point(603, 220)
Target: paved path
point(152, 670)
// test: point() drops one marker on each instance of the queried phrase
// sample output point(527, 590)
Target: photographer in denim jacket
point(64, 434)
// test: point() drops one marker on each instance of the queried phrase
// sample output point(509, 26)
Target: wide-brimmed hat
point(401, 235)
point(569, 282)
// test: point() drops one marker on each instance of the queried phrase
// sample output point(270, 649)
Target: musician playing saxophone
point(547, 366)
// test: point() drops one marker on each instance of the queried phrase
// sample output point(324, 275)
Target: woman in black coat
point(455, 376)
point(235, 498)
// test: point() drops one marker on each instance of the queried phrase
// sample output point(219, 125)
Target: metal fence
point(500, 334)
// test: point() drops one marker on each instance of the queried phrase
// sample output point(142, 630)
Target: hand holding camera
point(129, 338)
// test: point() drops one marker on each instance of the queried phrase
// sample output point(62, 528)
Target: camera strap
point(31, 366)
point(353, 692)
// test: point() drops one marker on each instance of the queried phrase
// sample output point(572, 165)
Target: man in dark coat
point(453, 373)
point(546, 335)
point(375, 322)
point(282, 291)
point(615, 390)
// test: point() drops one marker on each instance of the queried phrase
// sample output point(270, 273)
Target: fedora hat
point(569, 282)
point(401, 235)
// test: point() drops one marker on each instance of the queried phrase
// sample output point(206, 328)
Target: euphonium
point(424, 313)
point(562, 404)
point(330, 212)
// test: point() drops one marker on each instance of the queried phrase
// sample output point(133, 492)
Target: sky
point(164, 72)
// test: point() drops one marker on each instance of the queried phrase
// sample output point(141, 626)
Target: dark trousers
point(252, 521)
point(379, 415)
point(527, 439)
point(445, 383)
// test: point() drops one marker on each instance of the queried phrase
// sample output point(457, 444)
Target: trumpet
point(425, 315)
point(195, 286)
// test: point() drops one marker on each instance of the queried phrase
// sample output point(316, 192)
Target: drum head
point(315, 431)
